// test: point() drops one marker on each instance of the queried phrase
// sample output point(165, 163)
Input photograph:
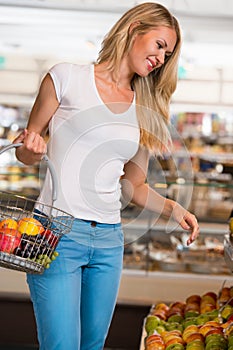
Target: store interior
point(198, 172)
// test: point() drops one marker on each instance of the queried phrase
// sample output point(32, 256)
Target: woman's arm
point(135, 189)
point(34, 146)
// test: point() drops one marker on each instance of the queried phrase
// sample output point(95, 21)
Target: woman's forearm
point(145, 197)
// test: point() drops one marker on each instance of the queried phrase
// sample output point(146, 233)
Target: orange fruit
point(30, 226)
point(9, 223)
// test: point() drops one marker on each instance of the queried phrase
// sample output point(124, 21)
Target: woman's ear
point(133, 25)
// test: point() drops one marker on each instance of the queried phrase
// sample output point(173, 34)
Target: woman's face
point(150, 50)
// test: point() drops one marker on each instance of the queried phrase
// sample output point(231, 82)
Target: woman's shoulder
point(66, 67)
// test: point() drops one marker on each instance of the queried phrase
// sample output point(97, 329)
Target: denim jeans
point(74, 299)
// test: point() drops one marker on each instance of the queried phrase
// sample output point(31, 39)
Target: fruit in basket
point(51, 238)
point(231, 225)
point(9, 223)
point(9, 240)
point(30, 226)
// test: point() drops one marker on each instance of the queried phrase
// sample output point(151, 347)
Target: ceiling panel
point(73, 29)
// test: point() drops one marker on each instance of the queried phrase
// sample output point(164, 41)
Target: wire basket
point(30, 230)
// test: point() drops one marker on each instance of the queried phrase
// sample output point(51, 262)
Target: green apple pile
point(200, 323)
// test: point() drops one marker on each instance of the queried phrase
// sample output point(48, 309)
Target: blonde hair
point(153, 92)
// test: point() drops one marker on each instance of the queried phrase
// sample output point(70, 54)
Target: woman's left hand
point(187, 221)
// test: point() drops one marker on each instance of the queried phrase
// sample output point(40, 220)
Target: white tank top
point(88, 147)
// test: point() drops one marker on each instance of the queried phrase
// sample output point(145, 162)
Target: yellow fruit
point(231, 225)
point(9, 223)
point(30, 226)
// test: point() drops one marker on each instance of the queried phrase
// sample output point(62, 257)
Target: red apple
point(194, 336)
point(218, 330)
point(211, 294)
point(208, 327)
point(193, 298)
point(155, 342)
point(174, 340)
point(192, 306)
point(51, 238)
point(161, 314)
point(177, 305)
point(9, 240)
point(213, 324)
point(162, 306)
point(169, 336)
point(190, 330)
point(206, 307)
point(230, 317)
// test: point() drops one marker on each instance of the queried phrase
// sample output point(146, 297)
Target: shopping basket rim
point(37, 202)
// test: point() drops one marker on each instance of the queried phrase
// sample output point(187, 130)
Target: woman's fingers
point(20, 138)
point(190, 223)
point(187, 221)
point(35, 143)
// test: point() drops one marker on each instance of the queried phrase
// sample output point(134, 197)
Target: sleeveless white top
point(88, 147)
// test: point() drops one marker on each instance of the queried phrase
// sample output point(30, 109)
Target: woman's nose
point(161, 56)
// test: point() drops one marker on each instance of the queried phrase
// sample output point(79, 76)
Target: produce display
point(201, 322)
point(27, 238)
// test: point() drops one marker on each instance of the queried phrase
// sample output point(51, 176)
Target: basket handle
point(49, 165)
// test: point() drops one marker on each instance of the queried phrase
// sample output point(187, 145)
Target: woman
point(104, 120)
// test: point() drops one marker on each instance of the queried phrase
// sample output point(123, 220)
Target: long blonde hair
point(153, 92)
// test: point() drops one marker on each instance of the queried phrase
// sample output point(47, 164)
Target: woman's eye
point(167, 55)
point(160, 46)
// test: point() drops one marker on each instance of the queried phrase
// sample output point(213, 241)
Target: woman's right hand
point(33, 149)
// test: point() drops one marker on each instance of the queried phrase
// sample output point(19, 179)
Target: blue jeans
point(75, 298)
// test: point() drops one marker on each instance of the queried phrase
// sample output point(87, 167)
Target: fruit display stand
point(228, 246)
point(199, 322)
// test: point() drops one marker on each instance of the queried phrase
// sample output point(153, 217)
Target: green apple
point(195, 345)
point(213, 342)
point(230, 339)
point(175, 347)
point(214, 337)
point(160, 329)
point(203, 318)
point(151, 323)
point(189, 321)
point(212, 314)
point(170, 326)
point(175, 318)
point(191, 313)
point(227, 311)
point(216, 345)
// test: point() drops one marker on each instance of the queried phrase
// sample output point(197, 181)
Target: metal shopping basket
point(29, 229)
